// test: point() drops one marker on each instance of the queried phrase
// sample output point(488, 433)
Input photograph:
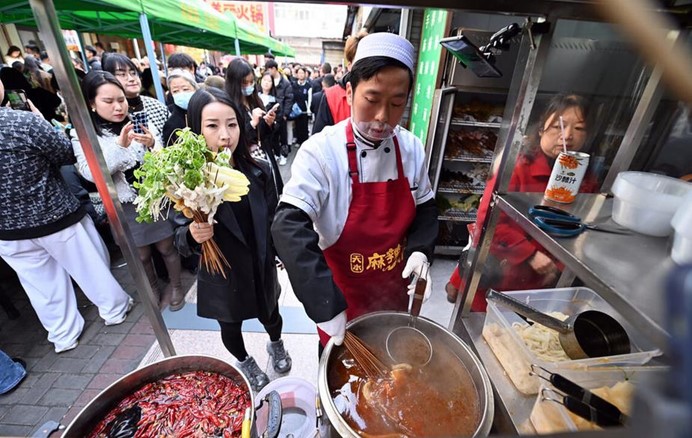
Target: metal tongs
point(579, 400)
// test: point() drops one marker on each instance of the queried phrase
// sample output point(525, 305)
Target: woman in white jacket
point(123, 150)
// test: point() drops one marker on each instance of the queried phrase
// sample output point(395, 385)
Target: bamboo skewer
point(212, 257)
point(372, 366)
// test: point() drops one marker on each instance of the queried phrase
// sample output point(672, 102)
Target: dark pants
point(300, 132)
point(232, 334)
point(285, 148)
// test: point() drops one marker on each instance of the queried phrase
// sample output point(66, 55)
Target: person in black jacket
point(181, 87)
point(250, 288)
point(284, 95)
point(301, 94)
point(259, 123)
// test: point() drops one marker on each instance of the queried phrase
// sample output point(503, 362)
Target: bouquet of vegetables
point(195, 181)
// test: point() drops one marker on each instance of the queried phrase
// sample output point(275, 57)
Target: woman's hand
point(542, 264)
point(201, 231)
point(270, 117)
point(124, 138)
point(33, 108)
point(147, 139)
point(257, 113)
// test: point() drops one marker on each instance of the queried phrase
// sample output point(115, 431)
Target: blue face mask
point(183, 99)
point(247, 91)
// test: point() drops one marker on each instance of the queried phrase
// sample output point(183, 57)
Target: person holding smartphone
point(259, 123)
point(271, 104)
point(123, 150)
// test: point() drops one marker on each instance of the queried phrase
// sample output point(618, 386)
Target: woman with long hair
point(127, 73)
point(259, 122)
point(123, 150)
point(250, 288)
point(516, 261)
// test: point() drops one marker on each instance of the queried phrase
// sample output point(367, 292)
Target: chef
point(358, 217)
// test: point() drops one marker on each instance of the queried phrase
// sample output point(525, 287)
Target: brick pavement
point(58, 386)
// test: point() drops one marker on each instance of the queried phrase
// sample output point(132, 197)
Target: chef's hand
point(335, 327)
point(201, 231)
point(414, 265)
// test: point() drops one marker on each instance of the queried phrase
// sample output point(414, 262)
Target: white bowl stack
point(646, 202)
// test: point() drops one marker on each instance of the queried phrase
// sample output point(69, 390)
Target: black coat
point(177, 120)
point(237, 297)
point(284, 95)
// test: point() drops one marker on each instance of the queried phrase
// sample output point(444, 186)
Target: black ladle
point(590, 334)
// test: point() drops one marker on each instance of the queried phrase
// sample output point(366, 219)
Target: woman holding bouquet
point(250, 288)
point(123, 150)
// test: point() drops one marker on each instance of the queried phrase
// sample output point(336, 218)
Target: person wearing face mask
point(515, 260)
point(358, 216)
point(181, 86)
point(260, 123)
point(241, 230)
point(123, 150)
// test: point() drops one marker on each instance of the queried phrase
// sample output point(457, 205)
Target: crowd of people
point(250, 110)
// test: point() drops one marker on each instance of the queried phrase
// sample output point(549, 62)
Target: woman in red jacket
point(516, 261)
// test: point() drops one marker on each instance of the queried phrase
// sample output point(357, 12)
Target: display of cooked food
point(470, 142)
point(195, 403)
point(464, 205)
point(477, 111)
point(437, 400)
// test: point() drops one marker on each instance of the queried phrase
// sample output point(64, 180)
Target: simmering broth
point(439, 399)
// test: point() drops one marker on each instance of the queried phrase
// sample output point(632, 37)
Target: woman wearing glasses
point(126, 72)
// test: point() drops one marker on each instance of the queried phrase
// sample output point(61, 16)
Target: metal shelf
point(469, 189)
point(462, 122)
point(461, 217)
point(514, 407)
point(620, 268)
point(448, 250)
point(470, 159)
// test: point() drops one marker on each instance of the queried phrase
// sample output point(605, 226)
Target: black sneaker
point(281, 360)
point(258, 379)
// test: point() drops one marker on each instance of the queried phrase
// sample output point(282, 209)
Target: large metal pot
point(108, 399)
point(375, 327)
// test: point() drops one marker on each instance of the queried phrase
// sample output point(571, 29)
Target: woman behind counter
point(516, 261)
point(251, 289)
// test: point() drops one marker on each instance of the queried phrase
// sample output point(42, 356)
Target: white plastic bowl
point(682, 223)
point(646, 202)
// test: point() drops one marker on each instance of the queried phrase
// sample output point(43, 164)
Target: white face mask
point(374, 131)
point(182, 99)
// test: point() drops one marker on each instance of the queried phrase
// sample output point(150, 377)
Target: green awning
point(182, 22)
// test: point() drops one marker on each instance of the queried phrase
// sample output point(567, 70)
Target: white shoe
point(123, 317)
point(72, 346)
point(282, 161)
point(277, 158)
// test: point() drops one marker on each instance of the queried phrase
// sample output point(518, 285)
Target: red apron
point(368, 259)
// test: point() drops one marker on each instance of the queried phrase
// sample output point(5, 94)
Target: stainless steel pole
point(47, 20)
point(237, 47)
point(80, 40)
point(163, 60)
point(149, 46)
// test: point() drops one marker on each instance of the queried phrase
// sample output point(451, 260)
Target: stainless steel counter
point(625, 270)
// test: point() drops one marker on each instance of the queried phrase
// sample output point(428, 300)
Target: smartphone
point(470, 56)
point(18, 100)
point(274, 108)
point(139, 120)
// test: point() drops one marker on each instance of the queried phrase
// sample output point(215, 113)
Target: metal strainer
point(407, 344)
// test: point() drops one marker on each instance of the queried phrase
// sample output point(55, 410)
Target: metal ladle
point(589, 334)
point(407, 344)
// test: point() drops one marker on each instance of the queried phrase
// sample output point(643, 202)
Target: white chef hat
point(385, 44)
